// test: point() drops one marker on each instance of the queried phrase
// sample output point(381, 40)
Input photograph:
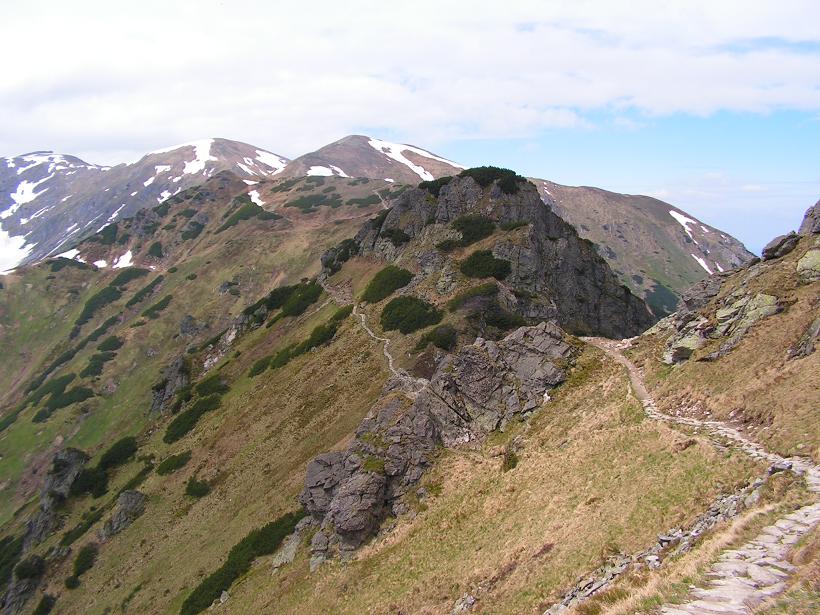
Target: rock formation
point(130, 505)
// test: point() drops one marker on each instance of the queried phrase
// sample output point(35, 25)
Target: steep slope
point(48, 200)
point(361, 156)
point(658, 250)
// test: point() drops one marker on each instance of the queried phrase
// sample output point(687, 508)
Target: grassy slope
point(776, 399)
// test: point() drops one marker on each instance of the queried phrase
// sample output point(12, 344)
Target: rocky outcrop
point(556, 275)
point(471, 393)
point(808, 267)
point(175, 377)
point(130, 505)
point(66, 465)
point(780, 246)
point(805, 345)
point(811, 221)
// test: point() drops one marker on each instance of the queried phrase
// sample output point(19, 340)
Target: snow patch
point(684, 222)
point(202, 151)
point(272, 160)
point(148, 181)
point(719, 268)
point(162, 168)
point(244, 168)
point(134, 193)
point(73, 253)
point(250, 182)
point(702, 263)
point(123, 261)
point(25, 193)
point(65, 198)
point(12, 251)
point(163, 195)
point(116, 213)
point(101, 264)
point(388, 179)
point(338, 171)
point(321, 171)
point(254, 194)
point(394, 151)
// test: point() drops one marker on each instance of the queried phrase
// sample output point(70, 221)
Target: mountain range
point(49, 202)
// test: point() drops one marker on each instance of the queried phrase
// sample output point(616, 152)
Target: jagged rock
point(805, 345)
point(779, 467)
point(808, 267)
point(446, 280)
point(18, 594)
point(464, 604)
point(189, 326)
point(130, 505)
point(689, 339)
point(287, 552)
point(470, 394)
point(811, 221)
point(175, 377)
point(66, 465)
point(780, 246)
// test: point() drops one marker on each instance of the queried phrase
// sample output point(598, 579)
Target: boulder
point(780, 246)
point(811, 221)
point(805, 345)
point(130, 506)
point(808, 267)
point(176, 376)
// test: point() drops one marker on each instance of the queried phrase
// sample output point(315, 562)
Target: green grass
point(385, 283)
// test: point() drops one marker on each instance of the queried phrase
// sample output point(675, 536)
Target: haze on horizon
point(713, 107)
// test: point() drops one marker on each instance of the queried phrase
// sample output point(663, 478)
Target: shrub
point(61, 262)
point(85, 559)
point(408, 314)
point(90, 480)
point(212, 385)
point(482, 264)
point(155, 250)
point(434, 187)
point(302, 297)
point(396, 236)
point(110, 343)
point(106, 236)
point(89, 519)
point(373, 464)
point(173, 463)
point(364, 201)
point(45, 605)
point(118, 453)
point(96, 302)
point(30, 568)
point(443, 337)
point(246, 212)
point(72, 396)
point(55, 385)
point(508, 180)
point(511, 226)
point(187, 420)
point(259, 366)
point(10, 550)
point(308, 203)
point(173, 270)
point(96, 363)
point(498, 317)
point(192, 230)
point(72, 582)
point(154, 311)
point(259, 542)
point(483, 290)
point(473, 227)
point(320, 335)
point(385, 283)
point(197, 488)
point(100, 331)
point(510, 460)
point(342, 313)
point(188, 212)
point(128, 275)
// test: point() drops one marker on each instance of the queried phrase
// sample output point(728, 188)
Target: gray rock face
point(561, 275)
point(176, 376)
point(805, 345)
point(66, 465)
point(811, 221)
point(471, 393)
point(130, 505)
point(780, 246)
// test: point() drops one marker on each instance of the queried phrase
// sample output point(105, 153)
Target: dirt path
point(744, 577)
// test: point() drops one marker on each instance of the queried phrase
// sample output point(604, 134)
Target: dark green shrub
point(100, 331)
point(408, 314)
point(41, 416)
point(482, 290)
point(173, 269)
point(110, 343)
point(107, 236)
point(72, 582)
point(197, 488)
point(96, 302)
point(259, 366)
point(191, 276)
point(10, 550)
point(30, 568)
point(89, 519)
point(364, 201)
point(511, 226)
point(498, 317)
point(90, 480)
point(508, 180)
point(212, 385)
point(55, 385)
point(187, 420)
point(434, 187)
point(153, 312)
point(189, 212)
point(138, 478)
point(62, 262)
point(385, 283)
point(173, 463)
point(246, 212)
point(72, 396)
point(510, 460)
point(96, 363)
point(263, 541)
point(45, 605)
point(444, 337)
point(163, 208)
point(85, 559)
point(127, 275)
point(448, 245)
point(303, 296)
point(377, 221)
point(319, 336)
point(482, 264)
point(396, 236)
point(308, 203)
point(192, 230)
point(118, 453)
point(155, 250)
point(473, 227)
point(342, 313)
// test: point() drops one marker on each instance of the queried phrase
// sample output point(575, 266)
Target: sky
point(713, 106)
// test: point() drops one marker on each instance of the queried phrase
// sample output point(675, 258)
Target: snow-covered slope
point(48, 200)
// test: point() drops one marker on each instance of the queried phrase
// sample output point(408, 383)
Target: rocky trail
point(745, 576)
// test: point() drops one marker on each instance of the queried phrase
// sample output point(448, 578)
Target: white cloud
point(110, 81)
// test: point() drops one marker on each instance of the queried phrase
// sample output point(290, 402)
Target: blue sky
point(712, 106)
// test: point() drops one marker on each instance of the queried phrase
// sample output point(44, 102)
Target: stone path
point(744, 577)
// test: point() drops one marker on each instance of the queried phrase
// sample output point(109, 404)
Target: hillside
point(356, 384)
